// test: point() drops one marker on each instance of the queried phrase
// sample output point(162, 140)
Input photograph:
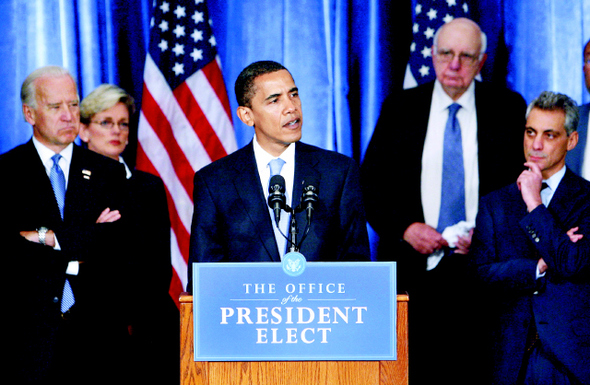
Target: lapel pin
point(86, 174)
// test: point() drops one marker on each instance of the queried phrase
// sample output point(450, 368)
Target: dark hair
point(244, 87)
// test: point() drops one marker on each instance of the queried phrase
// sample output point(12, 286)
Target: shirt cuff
point(73, 268)
point(539, 274)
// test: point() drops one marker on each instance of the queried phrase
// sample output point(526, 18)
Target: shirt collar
point(467, 100)
point(263, 157)
point(45, 153)
point(127, 170)
point(555, 179)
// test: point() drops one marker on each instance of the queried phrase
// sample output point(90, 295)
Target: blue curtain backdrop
point(97, 40)
point(345, 55)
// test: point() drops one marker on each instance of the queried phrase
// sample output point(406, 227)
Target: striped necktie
point(452, 203)
point(58, 182)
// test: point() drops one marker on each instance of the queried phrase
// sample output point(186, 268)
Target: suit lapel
point(424, 101)
point(306, 170)
point(483, 142)
point(77, 185)
point(563, 200)
point(43, 191)
point(249, 189)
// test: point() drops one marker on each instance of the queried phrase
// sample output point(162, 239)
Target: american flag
point(185, 121)
point(429, 15)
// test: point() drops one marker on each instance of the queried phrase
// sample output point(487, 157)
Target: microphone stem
point(293, 231)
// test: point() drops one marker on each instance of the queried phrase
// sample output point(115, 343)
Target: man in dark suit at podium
point(232, 221)
point(531, 250)
point(59, 234)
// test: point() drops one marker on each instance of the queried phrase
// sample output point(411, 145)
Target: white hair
point(483, 39)
point(29, 88)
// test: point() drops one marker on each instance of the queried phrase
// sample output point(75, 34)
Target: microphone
point(310, 197)
point(276, 196)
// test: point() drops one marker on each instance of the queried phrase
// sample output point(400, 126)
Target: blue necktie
point(452, 203)
point(275, 166)
point(58, 182)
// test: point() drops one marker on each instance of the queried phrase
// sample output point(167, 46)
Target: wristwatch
point(42, 231)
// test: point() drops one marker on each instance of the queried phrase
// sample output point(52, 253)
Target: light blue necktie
point(452, 203)
point(275, 166)
point(275, 169)
point(58, 182)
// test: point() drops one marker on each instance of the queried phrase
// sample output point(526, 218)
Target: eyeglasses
point(109, 124)
point(447, 56)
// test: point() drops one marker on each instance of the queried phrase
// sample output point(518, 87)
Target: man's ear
point(29, 114)
point(245, 115)
point(572, 140)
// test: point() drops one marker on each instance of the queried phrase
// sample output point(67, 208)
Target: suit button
point(536, 292)
point(55, 299)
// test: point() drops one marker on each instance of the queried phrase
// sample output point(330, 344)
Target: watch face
point(42, 231)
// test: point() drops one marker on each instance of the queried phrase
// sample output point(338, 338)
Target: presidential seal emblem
point(294, 263)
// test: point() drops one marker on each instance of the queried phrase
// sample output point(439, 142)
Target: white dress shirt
point(45, 154)
point(263, 159)
point(432, 156)
point(64, 163)
point(552, 184)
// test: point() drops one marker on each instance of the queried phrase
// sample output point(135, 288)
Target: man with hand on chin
point(531, 257)
point(232, 221)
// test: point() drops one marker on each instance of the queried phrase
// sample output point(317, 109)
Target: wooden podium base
point(292, 372)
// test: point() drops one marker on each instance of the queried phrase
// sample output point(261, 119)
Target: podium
point(292, 372)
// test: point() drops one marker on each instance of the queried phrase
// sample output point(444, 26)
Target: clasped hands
point(426, 240)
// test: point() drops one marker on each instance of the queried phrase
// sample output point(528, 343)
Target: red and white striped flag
point(185, 121)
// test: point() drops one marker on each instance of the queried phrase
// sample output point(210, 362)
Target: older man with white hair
point(446, 144)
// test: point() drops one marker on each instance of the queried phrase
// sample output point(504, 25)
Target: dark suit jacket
point(395, 154)
point(575, 157)
point(36, 273)
point(147, 207)
point(231, 222)
point(507, 244)
point(154, 318)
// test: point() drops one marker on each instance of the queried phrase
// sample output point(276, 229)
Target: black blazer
point(231, 222)
point(154, 318)
point(395, 155)
point(37, 273)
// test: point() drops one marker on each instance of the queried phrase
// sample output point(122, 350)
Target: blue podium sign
point(263, 312)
